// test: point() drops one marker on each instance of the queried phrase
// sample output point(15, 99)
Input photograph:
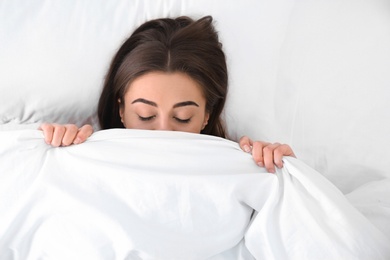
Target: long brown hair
point(169, 45)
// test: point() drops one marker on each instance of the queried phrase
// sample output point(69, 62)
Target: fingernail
point(77, 141)
point(271, 170)
point(260, 164)
point(247, 148)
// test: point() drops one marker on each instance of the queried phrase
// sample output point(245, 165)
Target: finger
point(279, 152)
point(83, 133)
point(268, 154)
point(246, 144)
point(58, 134)
point(257, 152)
point(69, 135)
point(48, 130)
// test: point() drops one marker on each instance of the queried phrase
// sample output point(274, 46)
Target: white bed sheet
point(131, 194)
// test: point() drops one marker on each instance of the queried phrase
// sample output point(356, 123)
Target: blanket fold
point(136, 194)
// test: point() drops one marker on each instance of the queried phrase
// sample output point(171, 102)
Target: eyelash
point(146, 118)
point(182, 121)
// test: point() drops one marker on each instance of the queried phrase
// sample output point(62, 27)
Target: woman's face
point(164, 101)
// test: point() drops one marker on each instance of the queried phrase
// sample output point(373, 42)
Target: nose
point(164, 124)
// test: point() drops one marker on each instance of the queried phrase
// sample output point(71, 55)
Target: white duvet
point(131, 194)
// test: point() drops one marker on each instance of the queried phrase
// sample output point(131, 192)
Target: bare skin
point(171, 102)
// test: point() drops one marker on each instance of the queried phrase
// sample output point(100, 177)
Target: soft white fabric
point(132, 194)
point(313, 74)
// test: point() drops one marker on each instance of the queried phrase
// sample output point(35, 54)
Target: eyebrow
point(185, 103)
point(151, 103)
point(145, 101)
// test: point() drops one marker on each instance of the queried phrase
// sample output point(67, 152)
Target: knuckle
point(278, 153)
point(46, 127)
point(258, 145)
point(243, 139)
point(71, 127)
point(89, 129)
point(60, 128)
point(285, 149)
point(268, 149)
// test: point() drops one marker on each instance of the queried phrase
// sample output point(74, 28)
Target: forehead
point(161, 85)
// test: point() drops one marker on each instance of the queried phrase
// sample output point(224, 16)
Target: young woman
point(171, 75)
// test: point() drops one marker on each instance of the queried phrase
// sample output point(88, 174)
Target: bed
point(310, 74)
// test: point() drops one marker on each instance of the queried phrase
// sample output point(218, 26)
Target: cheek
point(127, 118)
point(199, 124)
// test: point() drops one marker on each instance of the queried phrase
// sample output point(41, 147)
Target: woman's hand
point(64, 135)
point(266, 154)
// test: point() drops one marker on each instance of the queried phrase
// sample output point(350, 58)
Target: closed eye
point(146, 118)
point(183, 121)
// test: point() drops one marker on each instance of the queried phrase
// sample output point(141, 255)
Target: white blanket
point(131, 194)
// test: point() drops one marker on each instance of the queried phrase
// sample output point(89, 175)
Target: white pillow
point(54, 57)
point(55, 54)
